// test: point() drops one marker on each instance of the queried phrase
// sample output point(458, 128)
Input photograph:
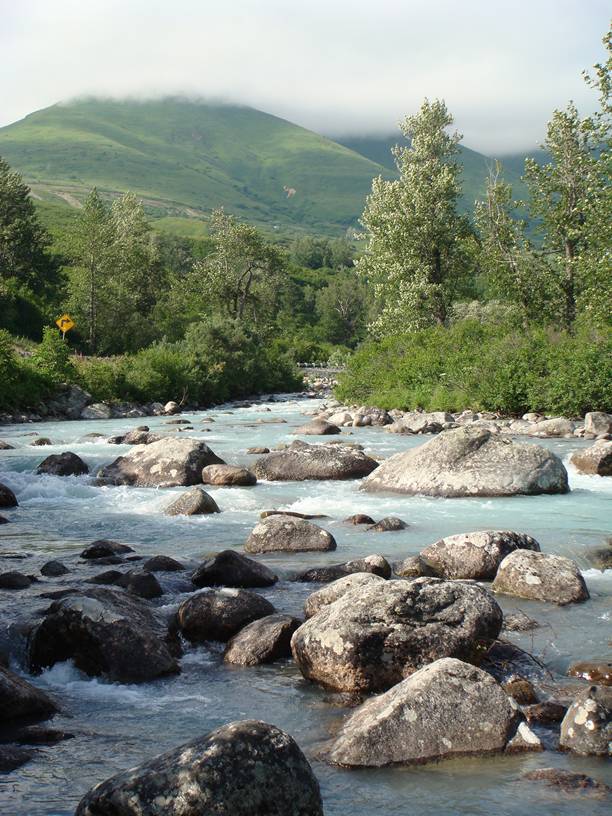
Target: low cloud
point(339, 67)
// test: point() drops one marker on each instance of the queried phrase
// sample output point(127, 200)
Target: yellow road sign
point(65, 322)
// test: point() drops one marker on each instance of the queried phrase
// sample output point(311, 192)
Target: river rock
point(162, 563)
point(416, 422)
point(598, 673)
point(587, 727)
point(63, 464)
point(232, 569)
point(104, 549)
point(5, 446)
point(98, 410)
point(69, 401)
point(375, 636)
point(550, 711)
point(330, 593)
point(228, 475)
point(4, 520)
point(375, 564)
point(262, 641)
point(470, 461)
point(413, 567)
point(475, 555)
point(241, 769)
point(388, 524)
point(448, 708)
point(288, 534)
point(595, 460)
point(106, 632)
point(598, 423)
point(7, 497)
point(540, 577)
point(359, 518)
point(20, 700)
point(318, 427)
point(141, 583)
point(170, 462)
point(567, 781)
point(41, 442)
point(53, 569)
point(195, 502)
point(14, 580)
point(257, 450)
point(139, 437)
point(558, 426)
point(219, 614)
point(314, 462)
point(171, 408)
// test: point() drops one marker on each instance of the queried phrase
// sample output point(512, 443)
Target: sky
point(338, 67)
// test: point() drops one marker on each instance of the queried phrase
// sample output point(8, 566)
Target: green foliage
point(485, 367)
point(24, 385)
point(52, 357)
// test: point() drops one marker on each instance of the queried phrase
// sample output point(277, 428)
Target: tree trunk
point(92, 307)
point(569, 288)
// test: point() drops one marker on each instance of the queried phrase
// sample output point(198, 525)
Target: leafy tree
point(239, 277)
point(342, 309)
point(414, 256)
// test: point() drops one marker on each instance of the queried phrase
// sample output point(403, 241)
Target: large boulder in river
point(587, 727)
point(232, 569)
point(228, 475)
point(318, 427)
point(63, 464)
point(7, 497)
point(241, 769)
point(20, 700)
point(375, 636)
point(262, 641)
point(558, 426)
point(596, 460)
point(281, 533)
point(194, 502)
point(314, 462)
point(540, 577)
point(471, 461)
point(475, 555)
point(219, 614)
point(417, 422)
point(105, 632)
point(446, 709)
point(170, 462)
point(330, 593)
point(375, 564)
point(598, 423)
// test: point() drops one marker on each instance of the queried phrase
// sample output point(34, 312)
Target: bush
point(22, 384)
point(484, 367)
point(52, 358)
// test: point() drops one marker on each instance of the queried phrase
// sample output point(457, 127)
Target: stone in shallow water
point(596, 460)
point(475, 555)
point(105, 549)
point(587, 727)
point(14, 580)
point(567, 781)
point(7, 497)
point(540, 577)
point(228, 475)
point(262, 641)
point(194, 502)
point(281, 533)
point(388, 524)
point(20, 700)
point(303, 462)
point(241, 769)
point(594, 672)
point(231, 568)
point(330, 593)
point(63, 464)
point(54, 569)
point(219, 614)
point(376, 564)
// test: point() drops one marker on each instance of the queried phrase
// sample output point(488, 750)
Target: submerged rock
point(106, 632)
point(375, 564)
point(599, 673)
point(596, 460)
point(232, 569)
point(306, 462)
point(63, 464)
point(262, 641)
point(567, 781)
point(41, 442)
point(7, 497)
point(388, 524)
point(375, 636)
point(241, 769)
point(475, 555)
point(446, 709)
point(587, 727)
point(169, 462)
point(195, 502)
point(219, 614)
point(359, 518)
point(330, 593)
point(105, 548)
point(228, 475)
point(5, 446)
point(20, 700)
point(540, 577)
point(471, 461)
point(280, 533)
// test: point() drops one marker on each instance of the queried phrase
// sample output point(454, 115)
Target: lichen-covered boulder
point(63, 464)
point(598, 423)
point(232, 569)
point(475, 555)
point(540, 577)
point(555, 427)
point(194, 502)
point(262, 641)
point(7, 497)
point(376, 564)
point(20, 700)
point(169, 462)
point(377, 635)
point(587, 727)
point(106, 632)
point(470, 461)
point(446, 709)
point(219, 614)
point(330, 593)
point(228, 475)
point(241, 769)
point(595, 460)
point(280, 533)
point(306, 462)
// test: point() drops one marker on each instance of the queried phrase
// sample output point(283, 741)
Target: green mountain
point(184, 158)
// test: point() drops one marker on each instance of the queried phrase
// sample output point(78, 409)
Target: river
point(118, 726)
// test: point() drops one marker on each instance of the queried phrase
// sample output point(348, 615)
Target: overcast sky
point(336, 66)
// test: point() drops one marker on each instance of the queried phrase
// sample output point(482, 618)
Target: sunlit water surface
point(118, 726)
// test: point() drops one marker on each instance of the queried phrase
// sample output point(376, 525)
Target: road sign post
point(65, 323)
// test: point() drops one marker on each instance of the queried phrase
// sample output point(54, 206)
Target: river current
point(119, 726)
